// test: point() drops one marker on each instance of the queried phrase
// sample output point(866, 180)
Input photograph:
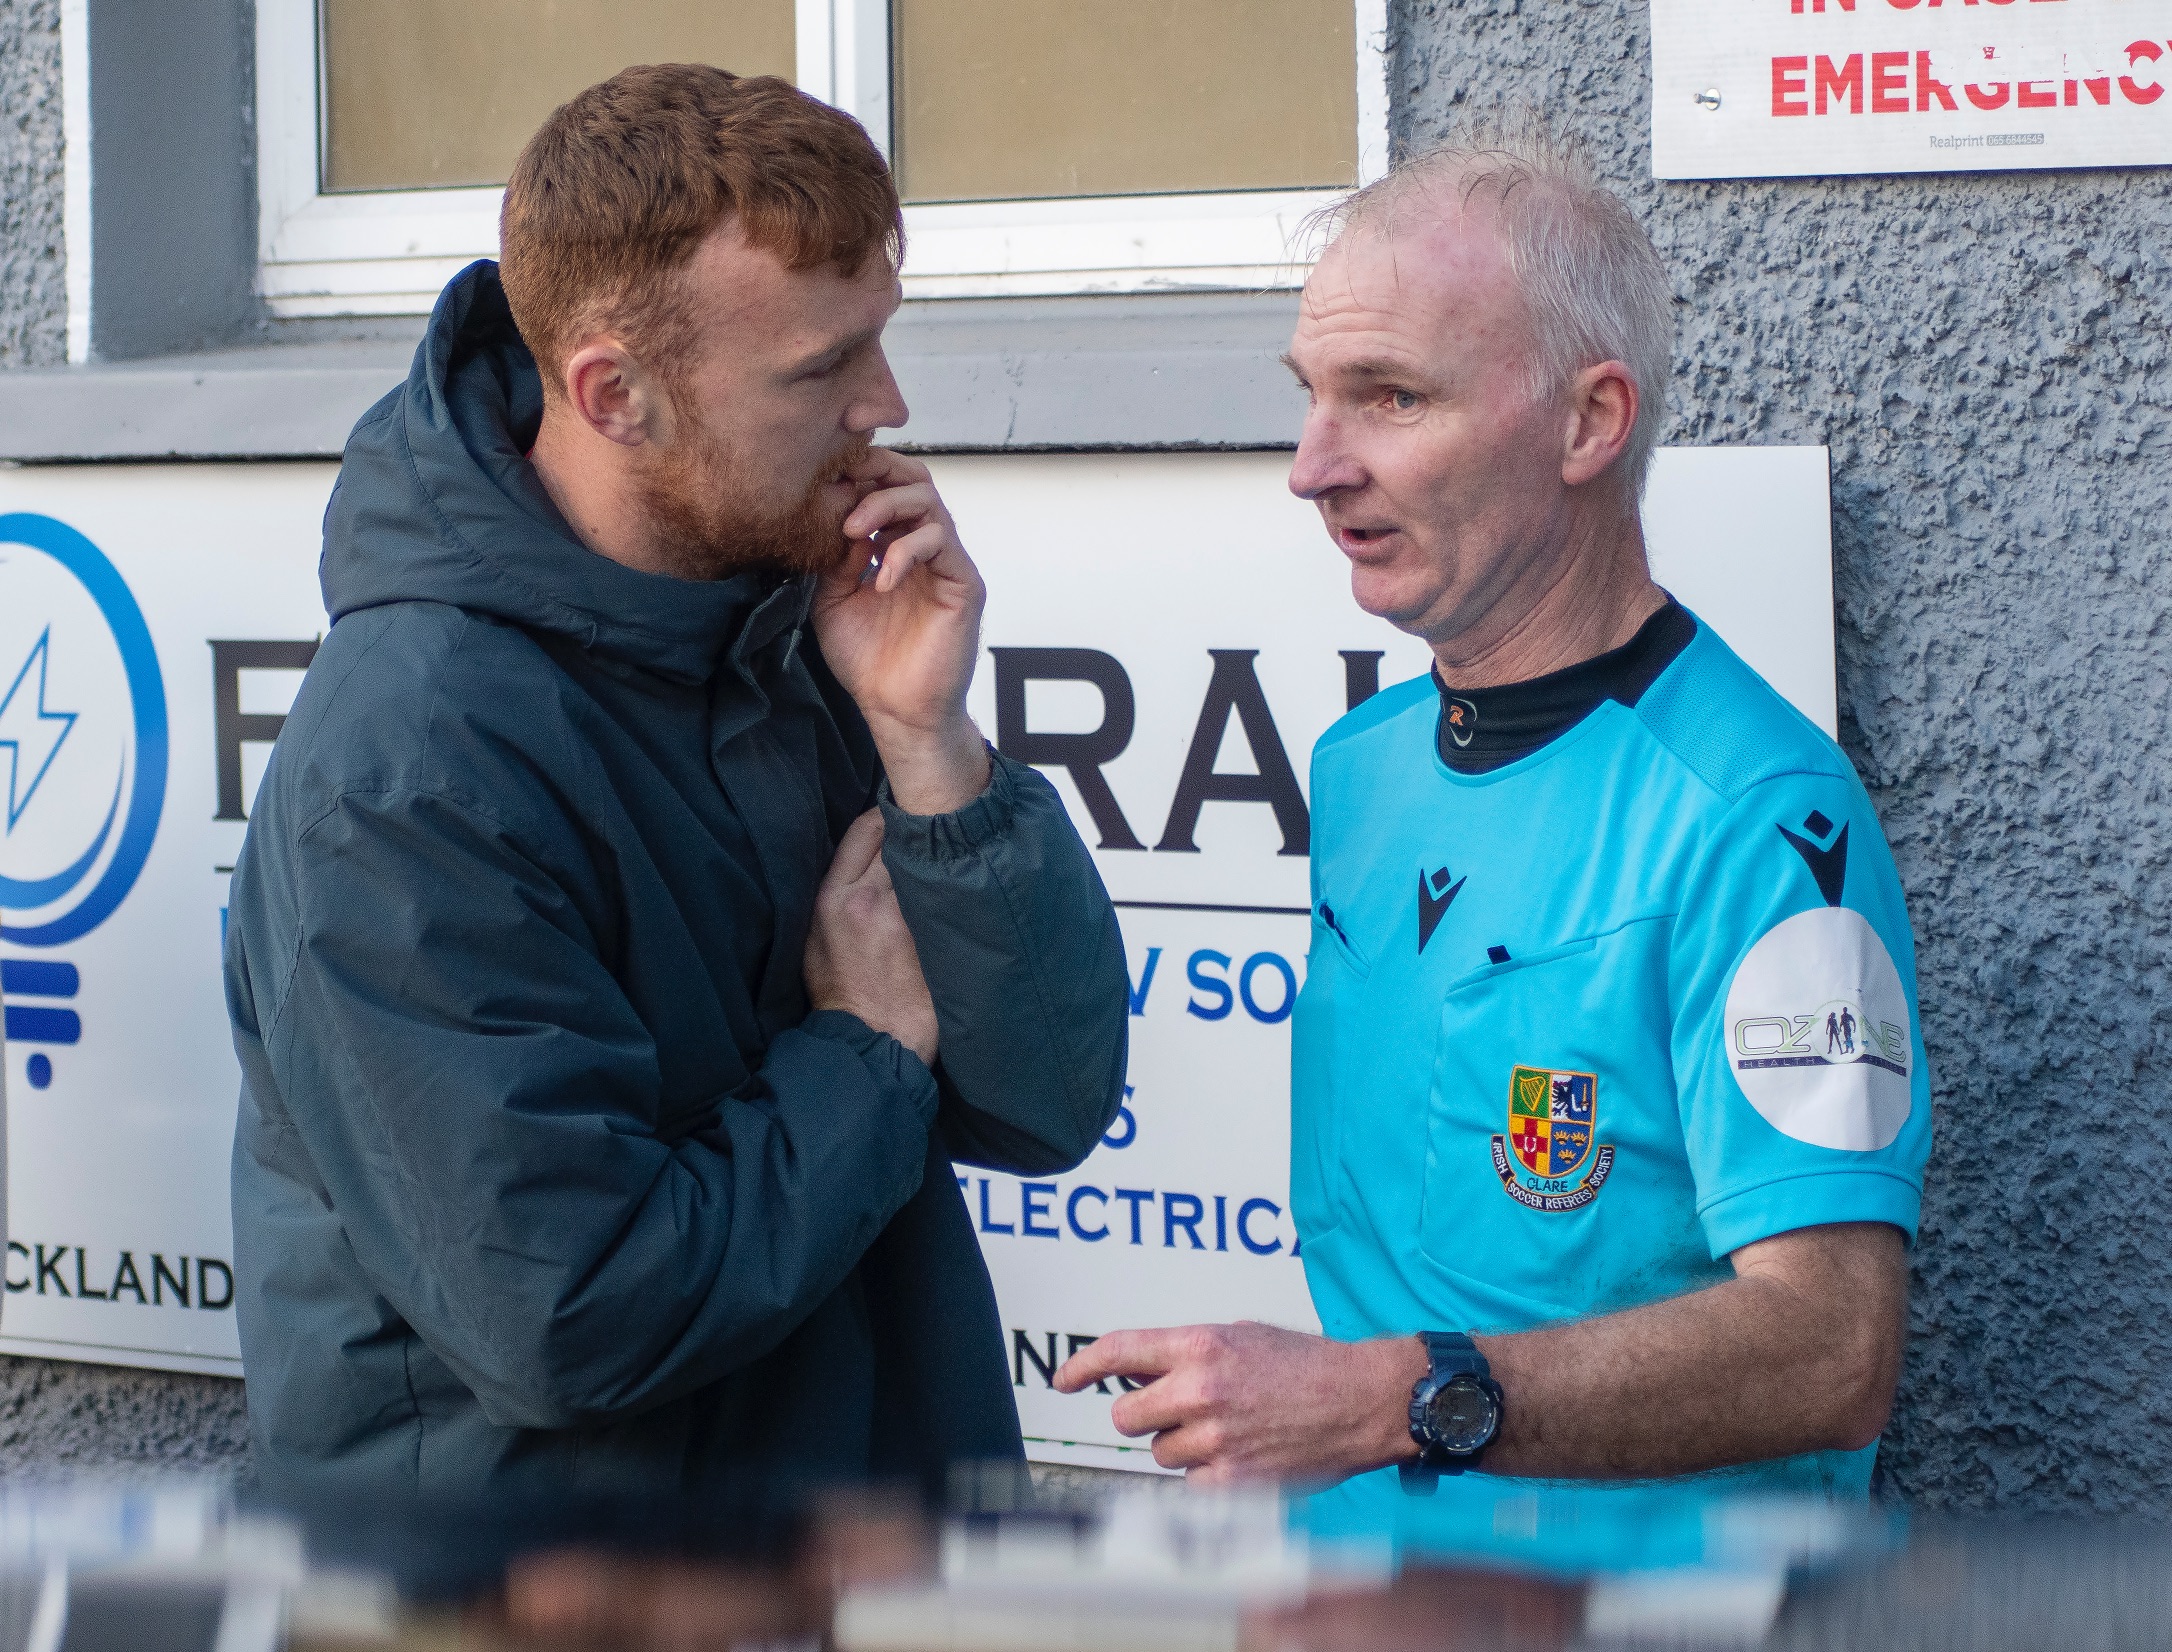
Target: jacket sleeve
point(1023, 959)
point(482, 1103)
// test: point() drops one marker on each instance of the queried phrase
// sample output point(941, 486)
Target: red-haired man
point(632, 927)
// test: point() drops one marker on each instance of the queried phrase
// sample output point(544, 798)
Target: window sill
point(263, 402)
point(982, 375)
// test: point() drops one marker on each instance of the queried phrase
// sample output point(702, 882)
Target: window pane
point(1022, 98)
point(439, 92)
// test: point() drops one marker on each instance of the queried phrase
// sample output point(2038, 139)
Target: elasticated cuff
point(894, 1066)
point(936, 839)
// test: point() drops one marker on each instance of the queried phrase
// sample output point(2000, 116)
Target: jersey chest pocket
point(1327, 930)
point(1553, 1086)
point(1327, 1039)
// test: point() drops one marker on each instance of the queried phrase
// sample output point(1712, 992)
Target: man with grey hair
point(1583, 1190)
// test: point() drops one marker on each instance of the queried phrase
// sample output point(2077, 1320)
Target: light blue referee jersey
point(1576, 1029)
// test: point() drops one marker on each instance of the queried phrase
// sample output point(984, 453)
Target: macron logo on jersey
point(1828, 865)
point(1435, 895)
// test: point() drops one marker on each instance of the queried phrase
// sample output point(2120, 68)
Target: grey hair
point(1594, 285)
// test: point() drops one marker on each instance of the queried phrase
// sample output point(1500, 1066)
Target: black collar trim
point(1482, 729)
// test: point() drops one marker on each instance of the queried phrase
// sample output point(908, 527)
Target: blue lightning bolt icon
point(29, 734)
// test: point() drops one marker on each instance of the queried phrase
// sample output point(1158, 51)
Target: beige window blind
point(1003, 99)
point(991, 99)
point(420, 94)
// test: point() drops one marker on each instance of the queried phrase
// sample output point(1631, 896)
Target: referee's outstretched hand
point(1253, 1402)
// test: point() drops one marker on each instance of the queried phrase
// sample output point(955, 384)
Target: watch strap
point(1453, 1354)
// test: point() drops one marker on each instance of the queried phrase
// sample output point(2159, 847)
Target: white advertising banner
point(1167, 635)
point(1789, 88)
point(135, 696)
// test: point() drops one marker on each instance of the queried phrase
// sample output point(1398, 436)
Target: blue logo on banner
point(35, 729)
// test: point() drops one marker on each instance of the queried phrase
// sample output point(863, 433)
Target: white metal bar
point(813, 48)
point(1372, 89)
point(863, 66)
point(286, 125)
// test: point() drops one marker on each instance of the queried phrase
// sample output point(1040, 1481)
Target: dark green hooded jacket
point(545, 1175)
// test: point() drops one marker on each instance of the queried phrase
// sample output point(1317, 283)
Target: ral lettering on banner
point(1784, 88)
point(1167, 636)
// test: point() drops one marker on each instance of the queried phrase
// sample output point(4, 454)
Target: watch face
point(1462, 1415)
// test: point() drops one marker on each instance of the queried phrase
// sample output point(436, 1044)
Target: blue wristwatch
point(1455, 1410)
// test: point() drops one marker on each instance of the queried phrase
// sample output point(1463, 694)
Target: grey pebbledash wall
point(33, 274)
point(58, 1417)
point(1986, 356)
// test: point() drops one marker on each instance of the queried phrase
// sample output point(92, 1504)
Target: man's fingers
point(1168, 1402)
point(915, 502)
point(1189, 1447)
point(1118, 1354)
point(884, 467)
point(1088, 1366)
point(929, 544)
point(856, 851)
point(1176, 1407)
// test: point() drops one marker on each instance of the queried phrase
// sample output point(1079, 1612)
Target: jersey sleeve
point(1798, 1057)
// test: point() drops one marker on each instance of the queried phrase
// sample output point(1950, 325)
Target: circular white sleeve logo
point(1818, 1032)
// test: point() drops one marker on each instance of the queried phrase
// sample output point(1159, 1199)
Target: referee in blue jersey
point(1610, 1110)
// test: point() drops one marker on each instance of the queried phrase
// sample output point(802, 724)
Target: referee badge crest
point(1549, 1158)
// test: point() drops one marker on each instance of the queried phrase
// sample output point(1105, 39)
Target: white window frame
point(390, 252)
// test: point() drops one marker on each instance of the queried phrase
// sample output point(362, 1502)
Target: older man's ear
point(1599, 418)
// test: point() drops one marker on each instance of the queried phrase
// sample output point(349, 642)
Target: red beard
point(700, 499)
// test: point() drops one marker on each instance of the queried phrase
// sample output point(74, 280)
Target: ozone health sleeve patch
point(1819, 1034)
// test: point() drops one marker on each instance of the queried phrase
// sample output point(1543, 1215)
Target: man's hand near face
point(903, 643)
point(733, 451)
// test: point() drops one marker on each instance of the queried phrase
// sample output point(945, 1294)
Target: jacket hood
point(436, 502)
